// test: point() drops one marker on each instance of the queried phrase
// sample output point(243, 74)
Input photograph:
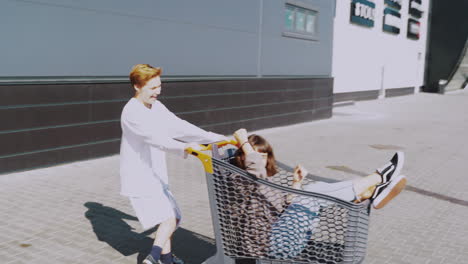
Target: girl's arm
point(298, 176)
point(243, 140)
point(253, 160)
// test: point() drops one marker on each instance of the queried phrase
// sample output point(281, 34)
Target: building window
point(311, 23)
point(289, 18)
point(301, 21)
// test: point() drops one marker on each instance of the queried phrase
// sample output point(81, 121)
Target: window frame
point(309, 10)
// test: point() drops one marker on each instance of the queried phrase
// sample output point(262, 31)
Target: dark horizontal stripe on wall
point(43, 94)
point(31, 118)
point(234, 121)
point(56, 114)
point(221, 101)
point(38, 140)
point(56, 127)
point(51, 118)
point(59, 148)
point(399, 91)
point(229, 115)
point(59, 155)
point(315, 92)
point(226, 126)
point(247, 106)
point(356, 96)
point(272, 121)
point(249, 93)
point(271, 98)
point(314, 102)
point(178, 94)
point(44, 117)
point(62, 104)
point(239, 86)
point(21, 80)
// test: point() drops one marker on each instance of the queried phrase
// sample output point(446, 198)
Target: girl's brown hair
point(261, 145)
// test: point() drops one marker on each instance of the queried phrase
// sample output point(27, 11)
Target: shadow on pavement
point(109, 226)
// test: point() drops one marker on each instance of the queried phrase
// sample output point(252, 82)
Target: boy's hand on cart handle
point(299, 173)
point(227, 138)
point(241, 136)
point(193, 146)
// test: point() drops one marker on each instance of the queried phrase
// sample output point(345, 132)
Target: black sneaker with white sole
point(385, 192)
point(392, 168)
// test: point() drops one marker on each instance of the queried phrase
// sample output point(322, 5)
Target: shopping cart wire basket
point(268, 222)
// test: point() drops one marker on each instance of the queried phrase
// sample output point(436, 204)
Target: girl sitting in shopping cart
point(289, 219)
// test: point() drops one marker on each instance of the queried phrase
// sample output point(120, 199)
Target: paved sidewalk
point(74, 214)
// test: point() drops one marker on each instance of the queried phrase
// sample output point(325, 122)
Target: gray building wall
point(291, 56)
point(185, 37)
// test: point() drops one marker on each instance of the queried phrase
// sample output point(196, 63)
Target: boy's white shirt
point(147, 134)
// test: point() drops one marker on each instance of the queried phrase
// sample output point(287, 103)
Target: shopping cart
point(267, 222)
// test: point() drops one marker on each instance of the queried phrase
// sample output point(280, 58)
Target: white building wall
point(367, 58)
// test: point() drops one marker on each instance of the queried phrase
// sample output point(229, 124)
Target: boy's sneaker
point(150, 260)
point(392, 168)
point(385, 192)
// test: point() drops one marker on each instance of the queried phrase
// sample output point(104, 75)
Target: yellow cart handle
point(205, 158)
